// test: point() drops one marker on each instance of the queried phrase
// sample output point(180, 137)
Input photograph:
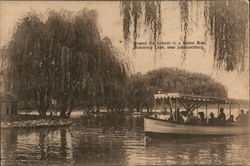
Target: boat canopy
point(204, 99)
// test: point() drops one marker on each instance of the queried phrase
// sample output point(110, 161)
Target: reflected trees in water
point(122, 142)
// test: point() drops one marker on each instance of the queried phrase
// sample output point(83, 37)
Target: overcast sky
point(110, 22)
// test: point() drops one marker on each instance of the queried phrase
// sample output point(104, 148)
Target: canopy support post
point(171, 108)
point(238, 109)
point(218, 109)
point(162, 104)
point(230, 111)
point(197, 111)
point(206, 112)
point(176, 107)
point(155, 104)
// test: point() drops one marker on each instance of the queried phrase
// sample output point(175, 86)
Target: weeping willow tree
point(226, 22)
point(74, 42)
point(58, 59)
point(4, 65)
point(29, 64)
point(184, 13)
point(136, 12)
point(115, 75)
point(228, 25)
point(107, 87)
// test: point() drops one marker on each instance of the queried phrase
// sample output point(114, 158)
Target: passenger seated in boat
point(171, 118)
point(242, 118)
point(221, 119)
point(202, 119)
point(230, 119)
point(192, 119)
point(211, 120)
point(176, 117)
point(184, 115)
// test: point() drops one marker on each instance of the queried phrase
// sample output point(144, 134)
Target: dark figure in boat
point(212, 120)
point(185, 117)
point(189, 118)
point(176, 117)
point(192, 119)
point(202, 119)
point(242, 118)
point(230, 119)
point(221, 119)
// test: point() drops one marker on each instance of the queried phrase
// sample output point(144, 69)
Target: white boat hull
point(162, 127)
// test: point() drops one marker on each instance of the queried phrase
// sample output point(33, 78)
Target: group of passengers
point(188, 118)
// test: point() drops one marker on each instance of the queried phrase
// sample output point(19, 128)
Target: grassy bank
point(32, 121)
point(23, 117)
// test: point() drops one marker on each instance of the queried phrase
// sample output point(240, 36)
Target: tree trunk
point(97, 109)
point(42, 112)
point(63, 110)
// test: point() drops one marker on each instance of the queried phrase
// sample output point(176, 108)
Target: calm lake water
point(107, 140)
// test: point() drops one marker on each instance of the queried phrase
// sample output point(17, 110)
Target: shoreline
point(37, 123)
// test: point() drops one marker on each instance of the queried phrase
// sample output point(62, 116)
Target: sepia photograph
point(124, 82)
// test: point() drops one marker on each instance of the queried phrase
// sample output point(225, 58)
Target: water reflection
point(7, 146)
point(116, 140)
point(30, 146)
point(201, 150)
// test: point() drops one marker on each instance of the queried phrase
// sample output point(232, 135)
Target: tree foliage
point(63, 58)
point(170, 80)
point(140, 93)
point(184, 13)
point(134, 12)
point(228, 25)
point(226, 22)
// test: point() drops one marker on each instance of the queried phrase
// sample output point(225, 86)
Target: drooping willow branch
point(132, 12)
point(153, 18)
point(184, 7)
point(227, 22)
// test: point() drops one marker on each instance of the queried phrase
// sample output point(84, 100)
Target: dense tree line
point(170, 80)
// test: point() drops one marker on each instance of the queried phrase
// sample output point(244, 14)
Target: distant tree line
point(144, 86)
point(64, 61)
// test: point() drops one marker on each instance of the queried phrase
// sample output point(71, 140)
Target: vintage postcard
point(156, 82)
